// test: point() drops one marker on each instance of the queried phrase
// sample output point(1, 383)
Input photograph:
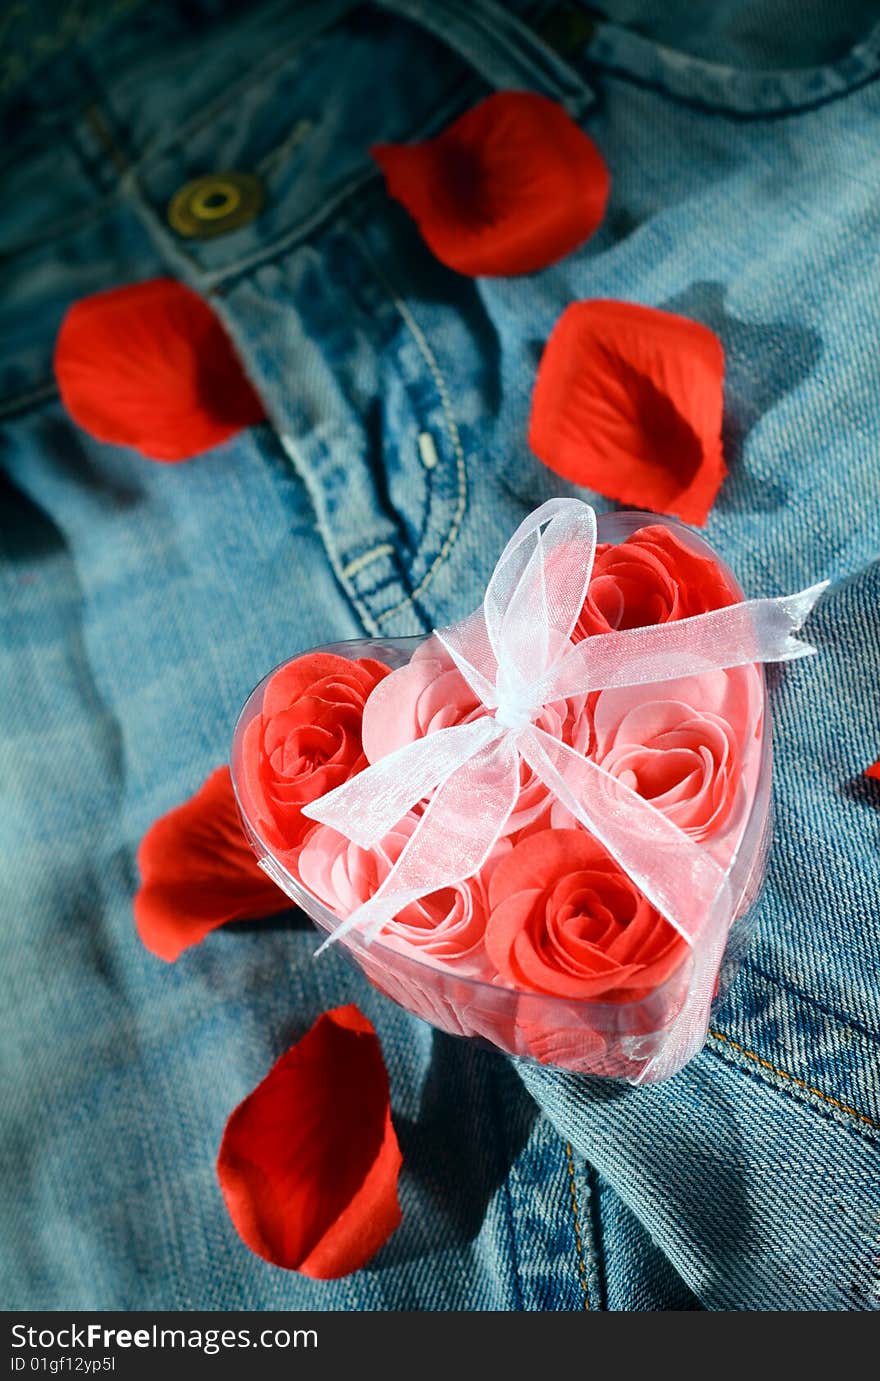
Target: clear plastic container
point(610, 1039)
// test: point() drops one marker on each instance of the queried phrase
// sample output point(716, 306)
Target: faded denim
point(141, 602)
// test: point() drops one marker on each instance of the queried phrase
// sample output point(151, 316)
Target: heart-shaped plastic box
point(610, 1039)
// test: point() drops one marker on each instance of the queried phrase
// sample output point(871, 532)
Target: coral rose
point(652, 577)
point(305, 741)
point(566, 920)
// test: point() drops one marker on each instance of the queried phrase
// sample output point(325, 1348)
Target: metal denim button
point(215, 204)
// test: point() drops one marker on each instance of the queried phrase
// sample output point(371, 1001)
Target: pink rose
point(682, 746)
point(447, 925)
point(427, 694)
point(430, 693)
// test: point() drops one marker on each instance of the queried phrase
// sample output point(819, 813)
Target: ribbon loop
point(370, 804)
point(508, 648)
point(451, 838)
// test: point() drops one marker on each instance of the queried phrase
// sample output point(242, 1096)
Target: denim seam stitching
point(281, 244)
point(20, 402)
point(100, 126)
point(284, 148)
point(358, 563)
point(733, 113)
point(267, 69)
point(191, 271)
point(177, 255)
point(315, 494)
point(521, 50)
point(80, 30)
point(360, 183)
point(60, 229)
point(460, 464)
point(388, 582)
point(430, 358)
point(287, 241)
point(499, 1121)
point(593, 1223)
point(846, 1023)
point(514, 1245)
point(578, 1240)
point(102, 129)
point(802, 1084)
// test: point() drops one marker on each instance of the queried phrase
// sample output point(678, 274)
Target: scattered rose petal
point(628, 402)
point(150, 366)
point(873, 771)
point(198, 871)
point(309, 1162)
point(509, 187)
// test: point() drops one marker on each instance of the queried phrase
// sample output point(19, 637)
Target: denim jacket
point(141, 602)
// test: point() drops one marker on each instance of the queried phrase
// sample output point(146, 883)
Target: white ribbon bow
point(516, 654)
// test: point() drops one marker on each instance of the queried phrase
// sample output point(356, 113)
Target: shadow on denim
point(764, 361)
point(459, 1159)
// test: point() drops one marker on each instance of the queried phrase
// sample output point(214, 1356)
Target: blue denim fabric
point(141, 602)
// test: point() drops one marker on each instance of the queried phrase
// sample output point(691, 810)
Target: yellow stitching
point(70, 27)
point(792, 1078)
point(358, 564)
point(582, 1265)
point(287, 146)
point(101, 129)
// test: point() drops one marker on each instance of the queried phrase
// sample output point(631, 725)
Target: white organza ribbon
point(516, 654)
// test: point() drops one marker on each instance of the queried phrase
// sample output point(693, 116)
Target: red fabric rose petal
point(309, 1162)
point(628, 402)
point(873, 771)
point(198, 872)
point(509, 187)
point(150, 366)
